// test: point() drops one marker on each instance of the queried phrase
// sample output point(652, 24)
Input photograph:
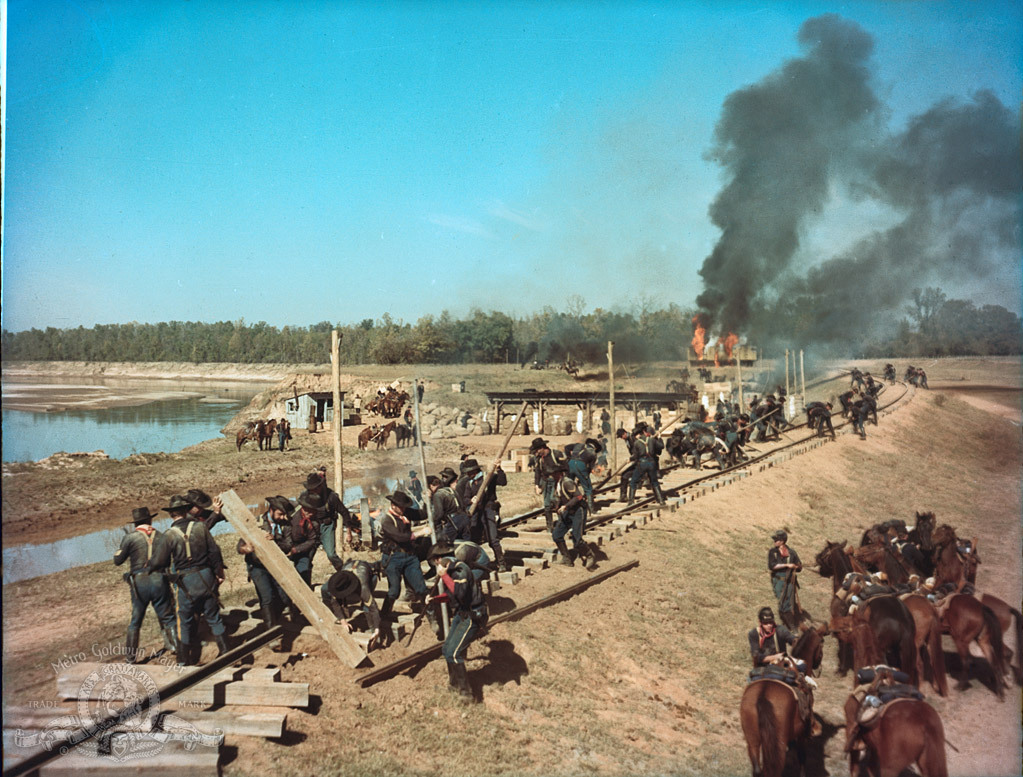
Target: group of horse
point(262, 432)
point(404, 435)
point(886, 610)
point(389, 404)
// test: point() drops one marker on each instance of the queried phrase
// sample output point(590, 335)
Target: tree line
point(936, 326)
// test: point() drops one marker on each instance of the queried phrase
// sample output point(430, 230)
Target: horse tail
point(772, 750)
point(1018, 669)
point(994, 628)
point(937, 657)
point(932, 761)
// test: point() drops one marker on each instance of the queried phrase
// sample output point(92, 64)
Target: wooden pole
point(497, 460)
point(339, 415)
point(429, 501)
point(283, 571)
point(614, 426)
point(802, 372)
point(738, 373)
point(787, 390)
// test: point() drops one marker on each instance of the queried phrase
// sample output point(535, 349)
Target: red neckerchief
point(784, 551)
point(304, 522)
point(764, 636)
point(145, 528)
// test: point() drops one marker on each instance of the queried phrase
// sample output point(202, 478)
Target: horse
point(894, 630)
point(403, 436)
point(968, 620)
point(248, 432)
point(929, 653)
point(266, 434)
point(922, 535)
point(884, 558)
point(769, 714)
point(950, 566)
point(380, 438)
point(836, 561)
point(909, 732)
point(366, 435)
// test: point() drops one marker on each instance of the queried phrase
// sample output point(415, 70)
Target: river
point(117, 416)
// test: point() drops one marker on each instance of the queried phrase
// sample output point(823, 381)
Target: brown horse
point(366, 435)
point(930, 657)
point(922, 536)
point(909, 732)
point(884, 558)
point(380, 438)
point(266, 434)
point(835, 561)
point(967, 621)
point(769, 714)
point(894, 630)
point(950, 566)
point(248, 432)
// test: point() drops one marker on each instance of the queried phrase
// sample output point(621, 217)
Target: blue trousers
point(572, 521)
point(197, 596)
point(268, 590)
point(645, 468)
point(304, 567)
point(328, 539)
point(151, 589)
point(401, 565)
point(581, 475)
point(786, 595)
point(464, 628)
point(549, 490)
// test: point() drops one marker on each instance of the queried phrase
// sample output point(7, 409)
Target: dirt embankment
point(156, 370)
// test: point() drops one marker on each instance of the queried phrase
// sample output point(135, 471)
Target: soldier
point(889, 371)
point(333, 509)
point(545, 467)
point(272, 596)
point(767, 642)
point(469, 617)
point(856, 378)
point(645, 450)
point(626, 476)
point(783, 563)
point(198, 569)
point(487, 515)
point(817, 415)
point(297, 532)
point(283, 433)
point(449, 518)
point(605, 423)
point(570, 504)
point(582, 459)
point(150, 556)
point(415, 487)
point(351, 589)
point(657, 420)
point(846, 400)
point(859, 412)
point(400, 553)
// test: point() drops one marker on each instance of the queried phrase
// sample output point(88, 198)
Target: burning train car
point(726, 351)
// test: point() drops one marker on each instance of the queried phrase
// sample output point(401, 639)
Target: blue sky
point(295, 162)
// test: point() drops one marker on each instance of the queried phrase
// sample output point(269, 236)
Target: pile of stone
point(440, 422)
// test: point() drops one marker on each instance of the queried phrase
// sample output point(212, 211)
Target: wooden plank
point(165, 764)
point(264, 723)
point(70, 681)
point(283, 571)
point(254, 694)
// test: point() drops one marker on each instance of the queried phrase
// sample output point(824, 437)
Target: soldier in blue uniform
point(546, 465)
point(645, 450)
point(462, 590)
point(783, 563)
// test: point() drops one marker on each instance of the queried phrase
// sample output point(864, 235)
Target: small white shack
point(297, 409)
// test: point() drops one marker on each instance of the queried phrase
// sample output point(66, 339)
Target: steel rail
point(67, 742)
point(428, 654)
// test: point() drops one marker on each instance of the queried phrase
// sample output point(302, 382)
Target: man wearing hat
point(546, 465)
point(767, 641)
point(570, 504)
point(582, 459)
point(415, 487)
point(399, 558)
point(299, 536)
point(783, 563)
point(149, 553)
point(818, 414)
point(351, 590)
point(333, 508)
point(645, 450)
point(272, 596)
point(487, 514)
point(204, 508)
point(449, 518)
point(469, 616)
point(198, 568)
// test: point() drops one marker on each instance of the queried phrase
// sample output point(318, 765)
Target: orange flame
point(698, 339)
point(730, 343)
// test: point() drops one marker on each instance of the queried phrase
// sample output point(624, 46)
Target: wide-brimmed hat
point(177, 502)
point(401, 499)
point(537, 444)
point(315, 480)
point(780, 535)
point(469, 466)
point(281, 503)
point(448, 476)
point(765, 615)
point(411, 473)
point(345, 587)
point(199, 498)
point(312, 501)
point(142, 515)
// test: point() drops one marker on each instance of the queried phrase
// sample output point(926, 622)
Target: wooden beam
point(339, 420)
point(283, 571)
point(265, 723)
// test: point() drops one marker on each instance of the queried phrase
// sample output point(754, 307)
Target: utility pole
point(339, 414)
point(787, 370)
point(613, 442)
point(802, 372)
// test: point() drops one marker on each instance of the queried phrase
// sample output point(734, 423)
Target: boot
point(658, 495)
point(502, 564)
point(632, 494)
point(222, 646)
point(549, 515)
point(188, 655)
point(385, 608)
point(271, 618)
point(452, 678)
point(131, 647)
point(588, 557)
point(789, 619)
point(566, 559)
point(590, 506)
point(434, 621)
point(170, 640)
point(462, 682)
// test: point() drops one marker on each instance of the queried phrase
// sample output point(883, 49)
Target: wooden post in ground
point(497, 460)
point(367, 523)
point(429, 501)
point(614, 424)
point(339, 415)
point(802, 373)
point(738, 373)
point(787, 371)
point(283, 571)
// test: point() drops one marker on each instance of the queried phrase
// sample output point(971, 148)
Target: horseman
point(767, 645)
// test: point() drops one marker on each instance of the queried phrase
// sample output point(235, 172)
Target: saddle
point(792, 679)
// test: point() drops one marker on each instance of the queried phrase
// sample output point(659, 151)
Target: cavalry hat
point(411, 473)
point(310, 500)
point(765, 615)
point(469, 466)
point(199, 498)
point(345, 587)
point(537, 444)
point(142, 515)
point(595, 444)
point(315, 480)
point(448, 476)
point(780, 535)
point(401, 499)
point(281, 503)
point(177, 502)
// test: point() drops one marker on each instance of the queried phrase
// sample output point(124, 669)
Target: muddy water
point(119, 417)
